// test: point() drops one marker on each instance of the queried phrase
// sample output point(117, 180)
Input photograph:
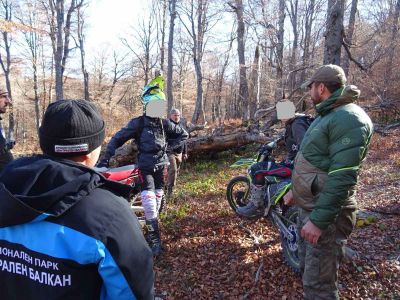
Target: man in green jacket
point(324, 179)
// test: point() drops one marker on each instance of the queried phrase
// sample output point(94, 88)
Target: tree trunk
point(6, 66)
point(60, 31)
point(199, 108)
point(254, 80)
point(198, 36)
point(309, 19)
point(162, 47)
point(293, 13)
point(243, 88)
point(59, 49)
point(279, 51)
point(172, 12)
point(392, 47)
point(221, 75)
point(349, 35)
point(223, 142)
point(81, 41)
point(334, 32)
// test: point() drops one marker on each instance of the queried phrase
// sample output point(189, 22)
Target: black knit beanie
point(71, 128)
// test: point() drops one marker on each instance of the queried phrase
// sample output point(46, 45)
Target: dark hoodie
point(66, 232)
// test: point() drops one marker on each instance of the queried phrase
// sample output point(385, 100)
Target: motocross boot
point(153, 236)
point(170, 190)
point(255, 207)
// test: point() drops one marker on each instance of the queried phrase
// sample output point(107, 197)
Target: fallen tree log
point(222, 142)
point(211, 143)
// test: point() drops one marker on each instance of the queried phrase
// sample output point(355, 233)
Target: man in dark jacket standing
point(151, 134)
point(176, 150)
point(5, 153)
point(66, 232)
point(295, 128)
point(324, 179)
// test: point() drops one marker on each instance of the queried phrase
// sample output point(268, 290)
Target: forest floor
point(209, 255)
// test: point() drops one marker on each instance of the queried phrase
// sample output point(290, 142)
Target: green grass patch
point(204, 176)
point(170, 217)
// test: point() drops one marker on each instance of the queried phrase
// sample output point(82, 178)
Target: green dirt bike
point(276, 176)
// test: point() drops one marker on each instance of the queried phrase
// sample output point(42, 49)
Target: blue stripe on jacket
point(65, 243)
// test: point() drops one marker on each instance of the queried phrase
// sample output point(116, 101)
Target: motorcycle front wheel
point(290, 247)
point(237, 192)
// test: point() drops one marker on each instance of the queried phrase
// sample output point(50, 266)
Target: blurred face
point(4, 102)
point(156, 109)
point(176, 117)
point(316, 91)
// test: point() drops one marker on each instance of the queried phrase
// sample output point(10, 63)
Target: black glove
point(102, 163)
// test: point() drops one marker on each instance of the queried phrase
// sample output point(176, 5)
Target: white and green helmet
point(153, 98)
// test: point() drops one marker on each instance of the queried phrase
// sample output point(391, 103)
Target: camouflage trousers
point(175, 161)
point(319, 263)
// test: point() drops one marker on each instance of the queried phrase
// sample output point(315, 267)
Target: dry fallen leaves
point(212, 257)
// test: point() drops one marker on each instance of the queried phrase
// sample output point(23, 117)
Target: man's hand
point(311, 233)
point(288, 198)
point(185, 156)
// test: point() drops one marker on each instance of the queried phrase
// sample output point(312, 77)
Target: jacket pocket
point(308, 181)
point(302, 190)
point(318, 183)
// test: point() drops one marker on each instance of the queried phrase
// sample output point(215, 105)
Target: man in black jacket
point(151, 134)
point(66, 232)
point(295, 129)
point(177, 151)
point(5, 153)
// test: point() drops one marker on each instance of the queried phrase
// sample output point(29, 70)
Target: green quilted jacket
point(327, 165)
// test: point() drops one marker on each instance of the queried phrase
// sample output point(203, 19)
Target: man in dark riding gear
point(151, 134)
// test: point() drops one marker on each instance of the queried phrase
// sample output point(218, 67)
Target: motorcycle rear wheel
point(237, 192)
point(290, 248)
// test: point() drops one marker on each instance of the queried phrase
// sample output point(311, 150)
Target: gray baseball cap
point(174, 111)
point(327, 73)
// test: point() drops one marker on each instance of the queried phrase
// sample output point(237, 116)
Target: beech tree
point(237, 6)
point(142, 44)
point(81, 45)
point(198, 19)
point(60, 21)
point(172, 17)
point(349, 34)
point(7, 8)
point(334, 32)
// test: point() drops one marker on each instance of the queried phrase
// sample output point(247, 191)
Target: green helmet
point(153, 97)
